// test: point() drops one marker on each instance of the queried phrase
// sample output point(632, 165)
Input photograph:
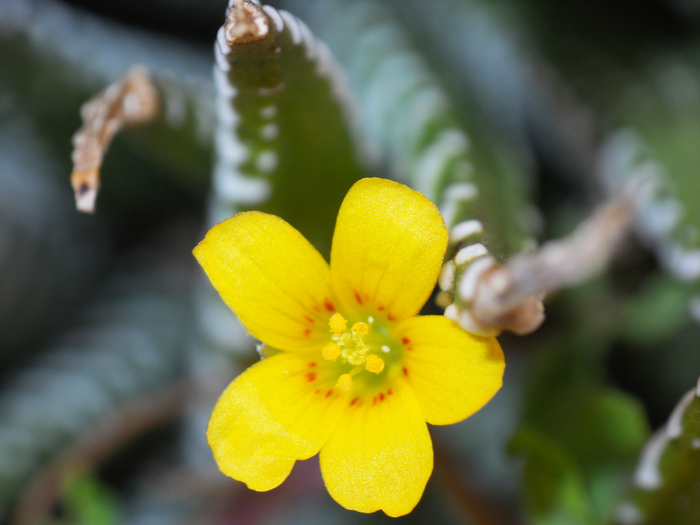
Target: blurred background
point(113, 346)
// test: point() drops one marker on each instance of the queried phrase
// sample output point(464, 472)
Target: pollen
point(331, 351)
point(360, 328)
point(338, 324)
point(374, 364)
point(344, 382)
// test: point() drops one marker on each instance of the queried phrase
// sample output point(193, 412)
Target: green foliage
point(130, 341)
point(656, 312)
point(45, 272)
point(288, 132)
point(60, 56)
point(88, 501)
point(413, 125)
point(439, 95)
point(667, 481)
point(580, 438)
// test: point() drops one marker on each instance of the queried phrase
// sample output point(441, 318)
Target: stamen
point(374, 364)
point(331, 351)
point(338, 324)
point(361, 328)
point(344, 382)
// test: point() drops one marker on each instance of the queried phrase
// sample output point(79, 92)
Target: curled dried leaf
point(490, 297)
point(133, 99)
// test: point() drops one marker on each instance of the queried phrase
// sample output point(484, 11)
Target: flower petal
point(452, 372)
point(380, 456)
point(271, 277)
point(388, 247)
point(277, 411)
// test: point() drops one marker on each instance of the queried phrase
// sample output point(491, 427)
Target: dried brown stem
point(510, 297)
point(131, 419)
point(131, 100)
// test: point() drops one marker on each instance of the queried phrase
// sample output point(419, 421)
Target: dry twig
point(492, 298)
point(133, 99)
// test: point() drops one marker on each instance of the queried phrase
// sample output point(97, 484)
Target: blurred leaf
point(658, 311)
point(49, 257)
point(54, 58)
point(667, 480)
point(554, 486)
point(130, 341)
point(579, 438)
point(413, 127)
point(87, 501)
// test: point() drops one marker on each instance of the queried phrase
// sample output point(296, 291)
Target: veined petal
point(453, 373)
point(271, 277)
point(387, 250)
point(277, 411)
point(380, 456)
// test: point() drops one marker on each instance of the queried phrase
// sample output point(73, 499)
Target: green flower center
point(365, 347)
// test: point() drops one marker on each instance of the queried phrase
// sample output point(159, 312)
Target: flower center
point(351, 347)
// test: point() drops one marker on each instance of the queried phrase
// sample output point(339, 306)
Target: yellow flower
point(359, 374)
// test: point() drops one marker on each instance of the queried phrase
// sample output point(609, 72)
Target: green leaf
point(129, 341)
point(414, 127)
point(579, 437)
point(88, 501)
point(50, 258)
point(656, 312)
point(554, 486)
point(285, 142)
point(667, 480)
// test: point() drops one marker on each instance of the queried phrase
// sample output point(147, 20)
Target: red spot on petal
point(329, 393)
point(389, 392)
point(405, 340)
point(357, 296)
point(316, 308)
point(307, 332)
point(318, 391)
point(309, 319)
point(311, 376)
point(353, 402)
point(329, 305)
point(391, 317)
point(405, 371)
point(374, 401)
point(409, 349)
point(380, 308)
point(312, 364)
point(381, 396)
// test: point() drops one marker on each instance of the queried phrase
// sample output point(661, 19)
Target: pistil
point(352, 348)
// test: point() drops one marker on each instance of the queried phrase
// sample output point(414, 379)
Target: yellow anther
point(338, 324)
point(374, 364)
point(360, 328)
point(331, 351)
point(344, 382)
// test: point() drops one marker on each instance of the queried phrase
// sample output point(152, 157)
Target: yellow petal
point(271, 277)
point(387, 250)
point(453, 373)
point(277, 411)
point(380, 456)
